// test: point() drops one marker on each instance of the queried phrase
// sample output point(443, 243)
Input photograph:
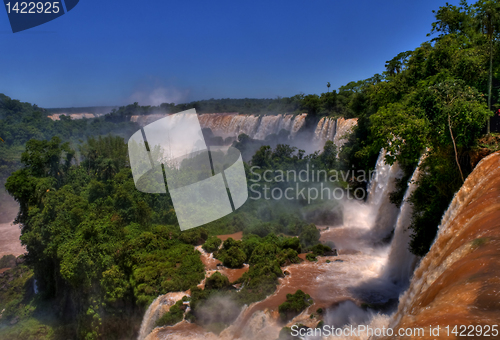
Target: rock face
point(457, 282)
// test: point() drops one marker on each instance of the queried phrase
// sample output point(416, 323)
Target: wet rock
point(286, 272)
point(338, 260)
point(333, 252)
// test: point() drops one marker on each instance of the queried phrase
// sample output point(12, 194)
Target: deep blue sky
point(118, 52)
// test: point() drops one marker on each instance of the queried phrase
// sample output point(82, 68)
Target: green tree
point(488, 21)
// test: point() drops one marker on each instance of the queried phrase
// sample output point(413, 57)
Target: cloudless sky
point(117, 52)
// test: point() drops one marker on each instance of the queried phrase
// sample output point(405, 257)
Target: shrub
point(173, 316)
point(212, 244)
point(292, 243)
point(229, 243)
point(294, 304)
point(311, 257)
point(195, 236)
point(217, 281)
point(287, 256)
point(264, 252)
point(320, 249)
point(235, 257)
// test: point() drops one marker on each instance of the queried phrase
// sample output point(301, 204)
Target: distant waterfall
point(259, 127)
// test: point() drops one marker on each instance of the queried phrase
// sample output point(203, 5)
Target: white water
point(445, 251)
point(382, 184)
point(369, 272)
point(259, 127)
point(158, 307)
point(401, 261)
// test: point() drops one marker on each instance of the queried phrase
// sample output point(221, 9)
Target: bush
point(294, 304)
point(235, 257)
point(195, 236)
point(311, 257)
point(173, 316)
point(264, 252)
point(292, 243)
point(217, 281)
point(229, 243)
point(212, 244)
point(287, 256)
point(320, 249)
point(231, 254)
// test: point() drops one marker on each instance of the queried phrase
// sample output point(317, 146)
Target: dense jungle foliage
point(101, 250)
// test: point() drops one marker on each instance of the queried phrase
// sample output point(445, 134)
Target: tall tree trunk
point(455, 147)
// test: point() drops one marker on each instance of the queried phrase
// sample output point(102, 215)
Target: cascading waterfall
point(158, 307)
point(325, 130)
point(381, 185)
point(343, 128)
point(456, 283)
point(147, 324)
point(401, 261)
point(259, 127)
point(232, 124)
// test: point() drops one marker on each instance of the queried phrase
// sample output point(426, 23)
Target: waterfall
point(319, 129)
point(325, 130)
point(381, 185)
point(401, 261)
point(268, 125)
point(149, 319)
point(257, 127)
point(158, 307)
point(457, 281)
point(343, 128)
point(233, 124)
